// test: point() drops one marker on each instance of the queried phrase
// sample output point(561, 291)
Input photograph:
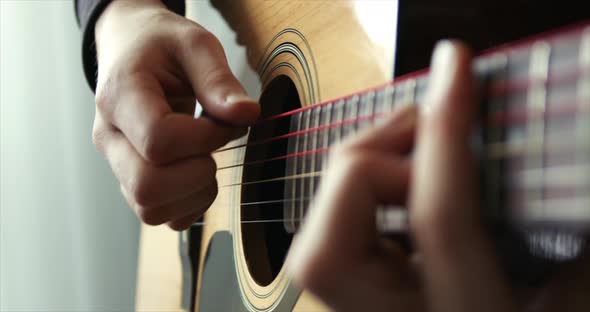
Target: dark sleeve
point(87, 13)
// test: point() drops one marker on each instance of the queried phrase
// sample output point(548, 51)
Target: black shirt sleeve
point(87, 13)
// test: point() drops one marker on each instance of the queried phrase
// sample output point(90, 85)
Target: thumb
point(219, 92)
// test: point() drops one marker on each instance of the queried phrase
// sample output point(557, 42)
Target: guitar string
point(502, 88)
point(578, 207)
point(497, 89)
point(498, 119)
point(494, 151)
point(281, 220)
point(203, 223)
point(512, 192)
point(573, 174)
point(276, 201)
point(277, 179)
point(305, 131)
point(497, 150)
point(564, 108)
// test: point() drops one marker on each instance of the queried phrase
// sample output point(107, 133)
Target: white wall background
point(67, 241)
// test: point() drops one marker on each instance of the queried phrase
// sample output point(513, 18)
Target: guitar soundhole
point(264, 237)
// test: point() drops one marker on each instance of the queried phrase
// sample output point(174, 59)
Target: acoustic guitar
point(315, 61)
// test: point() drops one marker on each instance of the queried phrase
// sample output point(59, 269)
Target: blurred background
point(67, 240)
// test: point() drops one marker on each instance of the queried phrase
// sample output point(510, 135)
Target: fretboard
point(534, 134)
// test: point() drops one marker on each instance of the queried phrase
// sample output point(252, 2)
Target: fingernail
point(442, 70)
point(233, 99)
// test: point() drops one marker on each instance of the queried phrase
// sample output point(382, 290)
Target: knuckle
point(217, 77)
point(99, 135)
point(177, 226)
point(103, 98)
point(161, 17)
point(198, 38)
point(143, 191)
point(149, 216)
point(107, 88)
point(155, 148)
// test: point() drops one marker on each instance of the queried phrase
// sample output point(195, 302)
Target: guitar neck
point(534, 130)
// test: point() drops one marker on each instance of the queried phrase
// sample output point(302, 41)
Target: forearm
point(87, 13)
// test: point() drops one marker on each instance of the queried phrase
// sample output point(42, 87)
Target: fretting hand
point(339, 256)
point(153, 65)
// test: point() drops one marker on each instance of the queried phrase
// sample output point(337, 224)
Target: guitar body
point(304, 52)
point(314, 47)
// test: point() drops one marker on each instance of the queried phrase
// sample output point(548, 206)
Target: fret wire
point(420, 92)
point(369, 109)
point(360, 107)
point(410, 93)
point(296, 162)
point(326, 133)
point(380, 107)
point(413, 90)
point(304, 161)
point(497, 66)
point(583, 121)
point(351, 109)
point(583, 88)
point(356, 111)
point(362, 102)
point(338, 113)
point(405, 93)
point(537, 102)
point(316, 114)
point(389, 97)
